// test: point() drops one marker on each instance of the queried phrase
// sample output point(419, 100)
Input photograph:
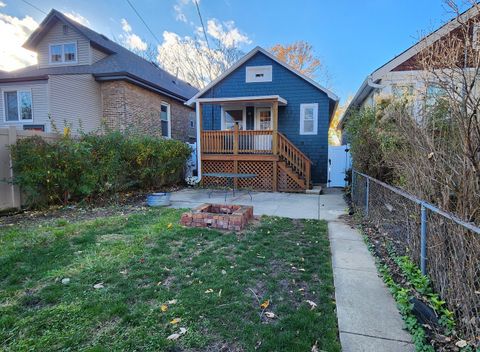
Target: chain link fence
point(446, 248)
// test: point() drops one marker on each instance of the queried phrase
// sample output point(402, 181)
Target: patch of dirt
point(121, 204)
point(220, 346)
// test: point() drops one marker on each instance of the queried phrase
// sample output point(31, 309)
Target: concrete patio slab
point(368, 319)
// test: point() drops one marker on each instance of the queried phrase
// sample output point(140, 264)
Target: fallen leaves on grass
point(98, 286)
point(270, 315)
point(173, 301)
point(209, 290)
point(164, 308)
point(169, 226)
point(312, 304)
point(315, 347)
point(461, 343)
point(265, 304)
point(175, 336)
point(175, 321)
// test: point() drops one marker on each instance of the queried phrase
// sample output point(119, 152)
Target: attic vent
point(258, 74)
point(65, 29)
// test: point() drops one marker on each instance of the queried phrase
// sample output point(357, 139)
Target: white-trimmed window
point(63, 53)
point(165, 120)
point(308, 118)
point(232, 116)
point(18, 106)
point(258, 74)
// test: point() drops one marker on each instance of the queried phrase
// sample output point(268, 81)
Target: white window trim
point(63, 62)
point(256, 125)
point(315, 118)
point(18, 90)
point(268, 69)
point(244, 115)
point(169, 118)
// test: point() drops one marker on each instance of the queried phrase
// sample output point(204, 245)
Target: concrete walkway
point(367, 315)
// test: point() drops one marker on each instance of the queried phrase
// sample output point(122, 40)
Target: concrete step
point(315, 190)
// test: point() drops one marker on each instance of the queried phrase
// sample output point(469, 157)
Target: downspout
point(199, 159)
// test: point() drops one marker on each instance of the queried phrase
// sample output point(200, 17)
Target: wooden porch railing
point(237, 142)
point(294, 158)
point(258, 142)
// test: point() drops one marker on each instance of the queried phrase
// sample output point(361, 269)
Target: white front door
point(263, 122)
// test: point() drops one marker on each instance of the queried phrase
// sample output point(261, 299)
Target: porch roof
point(249, 99)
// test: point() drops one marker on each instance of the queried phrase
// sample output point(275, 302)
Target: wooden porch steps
point(294, 176)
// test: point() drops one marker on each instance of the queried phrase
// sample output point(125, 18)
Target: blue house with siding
point(265, 118)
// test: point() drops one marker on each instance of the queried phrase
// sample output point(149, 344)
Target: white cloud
point(179, 6)
point(226, 33)
point(179, 15)
point(77, 17)
point(15, 32)
point(2, 4)
point(126, 26)
point(131, 40)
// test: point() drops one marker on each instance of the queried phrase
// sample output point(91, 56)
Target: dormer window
point(64, 53)
point(258, 74)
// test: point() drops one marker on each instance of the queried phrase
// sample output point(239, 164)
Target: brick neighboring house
point(86, 81)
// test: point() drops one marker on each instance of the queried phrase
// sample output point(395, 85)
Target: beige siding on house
point(97, 55)
point(40, 109)
point(74, 98)
point(55, 36)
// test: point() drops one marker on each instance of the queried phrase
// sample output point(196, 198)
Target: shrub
point(94, 165)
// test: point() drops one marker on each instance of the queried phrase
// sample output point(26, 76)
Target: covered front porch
point(247, 140)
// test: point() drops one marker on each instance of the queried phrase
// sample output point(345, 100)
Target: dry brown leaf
point(265, 304)
point(312, 304)
point(461, 343)
point(270, 315)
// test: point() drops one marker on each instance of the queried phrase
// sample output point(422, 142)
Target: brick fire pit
point(225, 217)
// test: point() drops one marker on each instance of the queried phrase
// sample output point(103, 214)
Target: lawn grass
point(217, 279)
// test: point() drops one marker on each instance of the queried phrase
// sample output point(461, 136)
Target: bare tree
point(195, 61)
point(300, 56)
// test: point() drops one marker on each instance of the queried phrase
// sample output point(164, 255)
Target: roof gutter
point(24, 79)
point(365, 89)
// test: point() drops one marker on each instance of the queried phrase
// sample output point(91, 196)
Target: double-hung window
point(165, 120)
point(18, 105)
point(63, 53)
point(308, 118)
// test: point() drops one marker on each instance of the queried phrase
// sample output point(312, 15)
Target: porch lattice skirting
point(263, 182)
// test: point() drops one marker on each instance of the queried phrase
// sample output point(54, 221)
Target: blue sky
point(352, 38)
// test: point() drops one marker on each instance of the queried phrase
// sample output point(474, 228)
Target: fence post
point(423, 239)
point(367, 191)
point(352, 189)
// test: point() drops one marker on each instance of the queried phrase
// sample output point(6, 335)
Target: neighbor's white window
point(63, 53)
point(308, 118)
point(18, 105)
point(258, 74)
point(165, 120)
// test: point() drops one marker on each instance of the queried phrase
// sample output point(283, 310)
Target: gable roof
point(247, 57)
point(369, 84)
point(120, 64)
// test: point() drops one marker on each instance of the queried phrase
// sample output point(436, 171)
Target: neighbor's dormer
point(63, 45)
point(60, 41)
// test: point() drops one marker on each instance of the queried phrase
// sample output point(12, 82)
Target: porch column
point(199, 113)
point(275, 142)
point(275, 127)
